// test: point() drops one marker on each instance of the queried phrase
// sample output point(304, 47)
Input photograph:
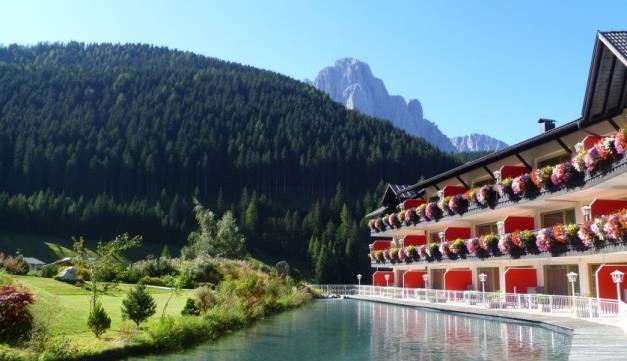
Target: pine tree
point(98, 320)
point(139, 305)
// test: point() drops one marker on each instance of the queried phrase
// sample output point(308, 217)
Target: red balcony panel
point(413, 279)
point(590, 140)
point(600, 207)
point(378, 278)
point(412, 203)
point(606, 288)
point(381, 245)
point(458, 280)
point(512, 171)
point(453, 233)
point(520, 279)
point(513, 224)
point(453, 190)
point(414, 240)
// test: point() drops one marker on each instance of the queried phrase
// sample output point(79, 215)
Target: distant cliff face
point(351, 83)
point(477, 142)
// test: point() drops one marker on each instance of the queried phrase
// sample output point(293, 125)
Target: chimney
point(546, 124)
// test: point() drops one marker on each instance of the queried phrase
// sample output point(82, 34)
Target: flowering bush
point(433, 249)
point(585, 235)
point(443, 204)
point(411, 252)
point(401, 255)
point(505, 187)
point(372, 225)
point(613, 229)
point(579, 162)
point(432, 211)
point(597, 228)
point(528, 238)
point(393, 220)
point(471, 195)
point(571, 231)
point(490, 240)
point(401, 216)
point(560, 173)
point(411, 216)
point(505, 243)
point(472, 245)
point(591, 160)
point(386, 255)
point(393, 252)
point(380, 225)
point(420, 211)
point(484, 194)
point(379, 256)
point(544, 175)
point(519, 184)
point(458, 246)
point(422, 251)
point(517, 241)
point(15, 320)
point(457, 203)
point(558, 236)
point(605, 148)
point(13, 265)
point(444, 249)
point(543, 240)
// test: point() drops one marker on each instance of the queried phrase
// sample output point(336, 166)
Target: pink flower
point(543, 240)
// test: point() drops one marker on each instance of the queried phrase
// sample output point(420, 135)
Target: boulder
point(69, 274)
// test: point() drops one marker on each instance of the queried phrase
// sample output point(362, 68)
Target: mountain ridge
point(351, 82)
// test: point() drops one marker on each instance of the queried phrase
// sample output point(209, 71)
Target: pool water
point(358, 330)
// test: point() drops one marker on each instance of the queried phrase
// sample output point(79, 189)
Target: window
point(553, 160)
point(563, 216)
point(492, 280)
point(556, 279)
point(487, 228)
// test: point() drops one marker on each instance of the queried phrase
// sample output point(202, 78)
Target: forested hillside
point(99, 139)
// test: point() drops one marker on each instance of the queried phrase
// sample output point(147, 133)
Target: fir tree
point(139, 305)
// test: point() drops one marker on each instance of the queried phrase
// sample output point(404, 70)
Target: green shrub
point(172, 333)
point(154, 281)
point(98, 320)
point(205, 299)
point(205, 269)
point(190, 308)
point(15, 319)
point(14, 265)
point(49, 270)
point(139, 305)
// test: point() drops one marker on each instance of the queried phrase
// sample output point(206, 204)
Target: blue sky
point(491, 67)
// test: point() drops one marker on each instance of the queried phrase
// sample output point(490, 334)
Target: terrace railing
point(579, 307)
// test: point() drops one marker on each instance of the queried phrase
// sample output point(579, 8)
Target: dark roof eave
point(504, 153)
point(377, 212)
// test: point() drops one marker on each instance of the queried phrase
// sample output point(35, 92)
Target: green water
point(358, 330)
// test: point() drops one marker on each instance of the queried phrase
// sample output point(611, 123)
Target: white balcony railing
point(598, 309)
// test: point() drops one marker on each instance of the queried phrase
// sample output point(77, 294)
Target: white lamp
point(500, 227)
point(578, 147)
point(387, 280)
point(497, 175)
point(425, 278)
point(359, 279)
point(586, 211)
point(572, 278)
point(617, 277)
point(401, 242)
point(441, 235)
point(482, 278)
point(440, 194)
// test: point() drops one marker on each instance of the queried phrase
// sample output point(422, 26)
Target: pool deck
point(591, 341)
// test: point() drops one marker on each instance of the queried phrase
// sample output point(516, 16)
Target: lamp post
point(572, 278)
point(482, 278)
point(441, 235)
point(359, 279)
point(425, 278)
point(500, 227)
point(497, 176)
point(586, 212)
point(387, 280)
point(617, 277)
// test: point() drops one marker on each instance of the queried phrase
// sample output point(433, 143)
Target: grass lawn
point(50, 249)
point(66, 308)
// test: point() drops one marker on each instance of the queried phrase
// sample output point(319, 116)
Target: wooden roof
point(606, 93)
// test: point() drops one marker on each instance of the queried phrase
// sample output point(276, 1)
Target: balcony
point(586, 174)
